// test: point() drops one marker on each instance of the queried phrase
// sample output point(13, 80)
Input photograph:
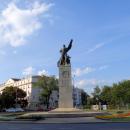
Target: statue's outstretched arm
point(70, 45)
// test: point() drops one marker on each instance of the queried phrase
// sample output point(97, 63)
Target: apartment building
point(33, 92)
point(77, 97)
point(26, 84)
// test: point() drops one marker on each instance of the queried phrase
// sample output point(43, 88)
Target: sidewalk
point(77, 120)
point(71, 120)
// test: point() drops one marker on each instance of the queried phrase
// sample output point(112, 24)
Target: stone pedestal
point(65, 87)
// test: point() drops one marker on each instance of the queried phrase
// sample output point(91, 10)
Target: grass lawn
point(10, 116)
point(113, 111)
point(120, 119)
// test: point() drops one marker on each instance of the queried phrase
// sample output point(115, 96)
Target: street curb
point(35, 122)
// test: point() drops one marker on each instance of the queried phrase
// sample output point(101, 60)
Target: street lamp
point(16, 98)
point(73, 80)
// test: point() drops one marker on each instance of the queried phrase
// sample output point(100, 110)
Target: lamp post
point(16, 98)
point(73, 80)
point(73, 84)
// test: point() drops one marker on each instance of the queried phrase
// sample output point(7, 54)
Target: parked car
point(10, 110)
point(19, 110)
point(14, 110)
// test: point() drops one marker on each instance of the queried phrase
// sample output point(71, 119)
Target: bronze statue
point(65, 58)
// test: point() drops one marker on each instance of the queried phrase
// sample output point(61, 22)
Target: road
point(91, 126)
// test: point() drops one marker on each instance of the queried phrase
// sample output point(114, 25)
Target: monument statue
point(65, 103)
point(65, 58)
point(65, 79)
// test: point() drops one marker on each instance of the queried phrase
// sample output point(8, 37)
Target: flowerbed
point(114, 116)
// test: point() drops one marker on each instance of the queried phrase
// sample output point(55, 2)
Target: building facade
point(27, 85)
point(33, 93)
point(77, 97)
point(53, 101)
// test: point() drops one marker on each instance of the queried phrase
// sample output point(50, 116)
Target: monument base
point(66, 110)
point(65, 87)
point(70, 113)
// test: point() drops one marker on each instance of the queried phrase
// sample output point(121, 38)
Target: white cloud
point(97, 46)
point(79, 72)
point(103, 67)
point(14, 52)
point(100, 45)
point(43, 72)
point(81, 84)
point(16, 24)
point(2, 52)
point(89, 82)
point(82, 71)
point(31, 71)
point(28, 71)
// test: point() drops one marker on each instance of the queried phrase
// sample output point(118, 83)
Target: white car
point(19, 109)
point(10, 110)
point(14, 110)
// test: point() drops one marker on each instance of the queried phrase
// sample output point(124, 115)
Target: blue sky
point(33, 31)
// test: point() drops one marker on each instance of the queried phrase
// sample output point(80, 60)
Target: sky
point(33, 31)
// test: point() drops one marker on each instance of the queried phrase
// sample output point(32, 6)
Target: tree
point(47, 84)
point(117, 95)
point(12, 95)
point(106, 95)
point(125, 86)
point(96, 95)
point(121, 93)
point(84, 97)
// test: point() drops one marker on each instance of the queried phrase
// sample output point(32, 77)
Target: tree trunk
point(47, 102)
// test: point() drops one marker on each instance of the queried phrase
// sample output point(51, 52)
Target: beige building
point(33, 92)
point(26, 84)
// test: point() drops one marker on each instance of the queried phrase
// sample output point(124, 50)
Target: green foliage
point(96, 95)
point(84, 97)
point(121, 92)
point(106, 94)
point(116, 96)
point(47, 84)
point(10, 96)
